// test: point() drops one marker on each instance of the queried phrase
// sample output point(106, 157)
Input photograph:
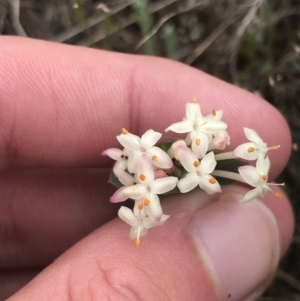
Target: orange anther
point(196, 163)
point(251, 149)
point(154, 158)
point(212, 180)
point(124, 131)
point(142, 177)
point(265, 177)
point(146, 202)
point(137, 242)
point(275, 148)
point(214, 113)
point(195, 100)
point(197, 141)
point(278, 195)
point(140, 206)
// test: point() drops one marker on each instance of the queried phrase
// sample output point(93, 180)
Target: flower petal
point(251, 135)
point(124, 177)
point(181, 126)
point(120, 165)
point(188, 183)
point(242, 151)
point(187, 158)
point(216, 115)
point(252, 194)
point(129, 141)
point(212, 127)
point(207, 186)
point(145, 170)
point(208, 164)
point(133, 161)
point(136, 211)
point(200, 144)
point(127, 216)
point(138, 231)
point(250, 175)
point(149, 223)
point(135, 192)
point(113, 153)
point(172, 152)
point(119, 196)
point(193, 111)
point(159, 157)
point(154, 209)
point(163, 185)
point(150, 138)
point(263, 165)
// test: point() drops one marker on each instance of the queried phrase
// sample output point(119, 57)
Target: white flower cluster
point(146, 171)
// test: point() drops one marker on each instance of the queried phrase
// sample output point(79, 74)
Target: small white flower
point(220, 141)
point(139, 222)
point(198, 172)
point(172, 152)
point(257, 177)
point(121, 156)
point(200, 129)
point(144, 145)
point(148, 188)
point(127, 180)
point(253, 149)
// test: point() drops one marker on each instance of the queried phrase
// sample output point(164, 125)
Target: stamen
point(195, 100)
point(146, 202)
point(122, 156)
point(140, 206)
point(197, 141)
point(154, 158)
point(214, 113)
point(124, 131)
point(265, 178)
point(212, 180)
point(278, 195)
point(126, 157)
point(251, 149)
point(196, 163)
point(275, 148)
point(137, 242)
point(142, 177)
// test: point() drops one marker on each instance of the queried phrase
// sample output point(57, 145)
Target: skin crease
point(59, 109)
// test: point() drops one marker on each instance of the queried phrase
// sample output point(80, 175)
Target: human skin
point(60, 107)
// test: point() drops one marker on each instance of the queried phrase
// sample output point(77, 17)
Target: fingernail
point(240, 244)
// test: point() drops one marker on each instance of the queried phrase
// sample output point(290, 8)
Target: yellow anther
point(140, 206)
point(137, 242)
point(265, 178)
point(197, 141)
point(195, 100)
point(142, 177)
point(146, 202)
point(212, 180)
point(124, 131)
point(250, 149)
point(154, 158)
point(214, 113)
point(196, 163)
point(278, 195)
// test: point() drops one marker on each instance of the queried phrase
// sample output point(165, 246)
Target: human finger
point(212, 248)
point(65, 105)
point(43, 212)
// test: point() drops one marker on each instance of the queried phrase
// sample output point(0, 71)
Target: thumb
point(211, 248)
